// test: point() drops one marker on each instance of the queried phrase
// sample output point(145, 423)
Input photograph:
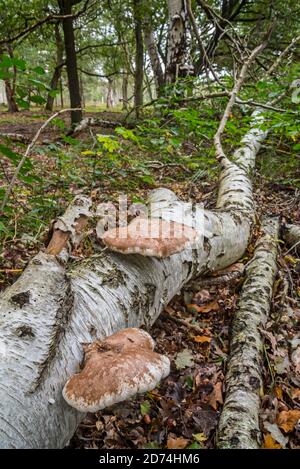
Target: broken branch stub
point(69, 227)
point(116, 369)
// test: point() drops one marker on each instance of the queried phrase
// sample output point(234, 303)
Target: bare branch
point(233, 95)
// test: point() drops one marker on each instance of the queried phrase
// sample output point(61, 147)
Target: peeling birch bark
point(69, 227)
point(53, 308)
point(239, 423)
point(291, 235)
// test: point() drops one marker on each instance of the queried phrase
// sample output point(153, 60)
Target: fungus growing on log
point(151, 237)
point(116, 369)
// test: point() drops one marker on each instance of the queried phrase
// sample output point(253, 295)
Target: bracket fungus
point(151, 237)
point(116, 369)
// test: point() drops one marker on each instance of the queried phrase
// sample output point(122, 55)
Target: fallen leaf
point(184, 359)
point(200, 437)
point(278, 392)
point(296, 394)
point(201, 339)
point(202, 296)
point(216, 396)
point(177, 443)
point(208, 308)
point(288, 419)
point(296, 360)
point(276, 433)
point(270, 443)
point(145, 407)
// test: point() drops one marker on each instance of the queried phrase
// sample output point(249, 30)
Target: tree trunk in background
point(109, 96)
point(61, 86)
point(57, 71)
point(139, 56)
point(11, 102)
point(81, 89)
point(177, 65)
point(125, 91)
point(151, 46)
point(10, 86)
point(71, 60)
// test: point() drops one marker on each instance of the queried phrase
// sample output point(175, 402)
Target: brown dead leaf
point(201, 339)
point(177, 443)
point(270, 443)
point(202, 296)
point(208, 308)
point(278, 392)
point(288, 419)
point(296, 394)
point(216, 396)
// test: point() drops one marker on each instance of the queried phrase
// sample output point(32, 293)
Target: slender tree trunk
point(139, 57)
point(239, 422)
point(57, 71)
point(109, 96)
point(81, 89)
point(10, 87)
point(11, 102)
point(125, 91)
point(177, 63)
point(71, 60)
point(61, 86)
point(151, 46)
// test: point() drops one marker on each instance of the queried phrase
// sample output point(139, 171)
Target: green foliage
point(29, 88)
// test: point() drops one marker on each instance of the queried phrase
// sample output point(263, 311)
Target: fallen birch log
point(54, 307)
point(239, 423)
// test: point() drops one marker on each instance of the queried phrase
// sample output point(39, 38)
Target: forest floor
point(194, 330)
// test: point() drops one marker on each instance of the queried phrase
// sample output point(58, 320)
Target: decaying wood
point(16, 137)
point(220, 278)
point(69, 227)
point(92, 121)
point(239, 424)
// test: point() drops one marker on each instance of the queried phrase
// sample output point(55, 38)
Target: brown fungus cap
point(116, 369)
point(151, 237)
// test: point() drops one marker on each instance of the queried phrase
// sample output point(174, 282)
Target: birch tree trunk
point(139, 57)
point(177, 41)
point(55, 307)
point(151, 46)
point(239, 422)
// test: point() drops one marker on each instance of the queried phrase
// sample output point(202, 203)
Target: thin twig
point(233, 96)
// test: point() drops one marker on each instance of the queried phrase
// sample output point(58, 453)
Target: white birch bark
point(51, 310)
point(239, 423)
point(177, 41)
